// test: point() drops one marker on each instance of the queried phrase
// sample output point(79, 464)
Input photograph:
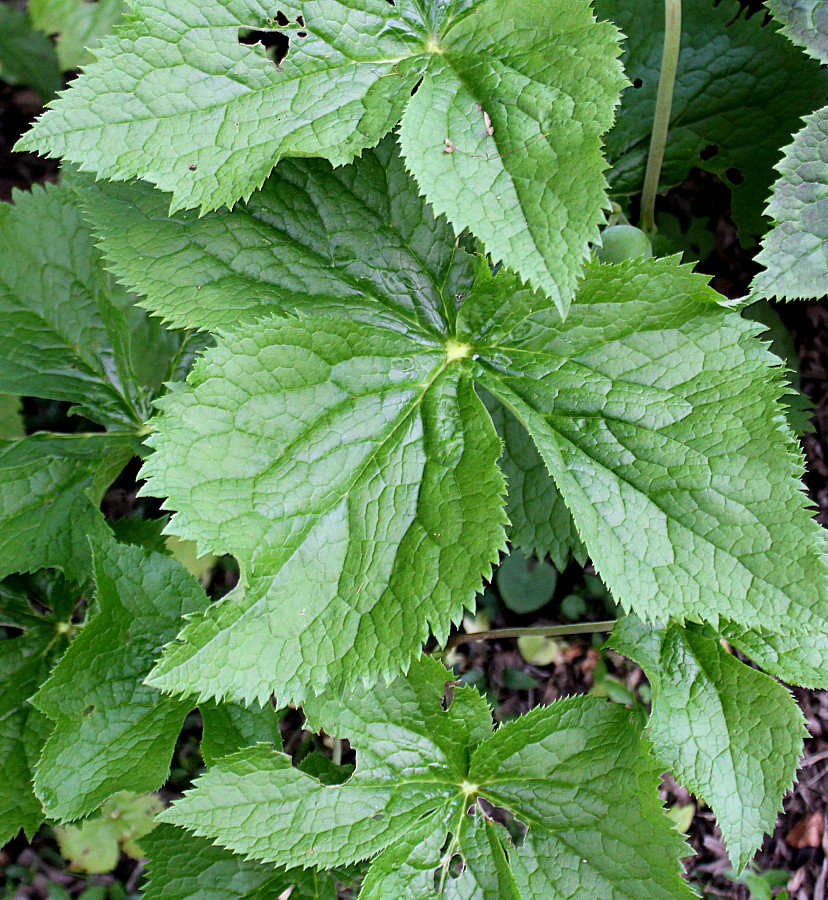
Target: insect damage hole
point(275, 42)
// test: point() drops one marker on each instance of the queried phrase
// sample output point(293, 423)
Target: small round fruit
point(622, 242)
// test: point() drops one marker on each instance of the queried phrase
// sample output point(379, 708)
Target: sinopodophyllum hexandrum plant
point(389, 348)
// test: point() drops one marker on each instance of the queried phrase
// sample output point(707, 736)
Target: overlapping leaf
point(78, 24)
point(795, 251)
point(595, 825)
point(503, 131)
point(805, 22)
point(730, 734)
point(662, 430)
point(26, 56)
point(50, 488)
point(185, 867)
point(111, 732)
point(24, 663)
point(71, 332)
point(741, 91)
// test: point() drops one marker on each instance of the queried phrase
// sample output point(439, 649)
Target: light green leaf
point(370, 498)
point(741, 90)
point(229, 727)
point(27, 57)
point(111, 732)
point(594, 810)
point(503, 132)
point(730, 734)
point(540, 521)
point(658, 414)
point(355, 241)
point(184, 867)
point(78, 24)
point(796, 658)
point(795, 252)
point(50, 490)
point(71, 332)
point(805, 22)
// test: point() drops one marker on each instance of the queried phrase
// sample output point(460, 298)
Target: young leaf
point(71, 332)
point(78, 24)
point(595, 825)
point(740, 92)
point(27, 57)
point(353, 241)
point(805, 22)
point(795, 252)
point(50, 488)
point(185, 867)
point(503, 132)
point(370, 511)
point(730, 734)
point(111, 732)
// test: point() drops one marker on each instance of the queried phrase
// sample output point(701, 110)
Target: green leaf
point(185, 867)
point(71, 333)
point(50, 490)
point(78, 24)
point(525, 585)
point(730, 734)
point(24, 663)
point(229, 727)
point(353, 241)
point(90, 847)
point(11, 417)
point(805, 22)
point(112, 732)
point(741, 90)
point(593, 815)
point(658, 414)
point(540, 521)
point(27, 57)
point(795, 252)
point(373, 501)
point(509, 90)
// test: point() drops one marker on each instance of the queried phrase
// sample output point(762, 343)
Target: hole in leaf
point(734, 176)
point(275, 43)
point(637, 83)
point(89, 710)
point(709, 152)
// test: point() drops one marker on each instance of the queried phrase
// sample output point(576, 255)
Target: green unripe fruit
point(622, 242)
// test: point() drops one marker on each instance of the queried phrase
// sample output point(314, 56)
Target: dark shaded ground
point(494, 664)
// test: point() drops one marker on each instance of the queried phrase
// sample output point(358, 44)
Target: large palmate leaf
point(50, 489)
point(663, 432)
point(185, 867)
point(112, 733)
point(503, 131)
point(70, 332)
point(741, 90)
point(24, 663)
point(730, 734)
point(26, 56)
point(78, 24)
point(805, 22)
point(595, 826)
point(795, 251)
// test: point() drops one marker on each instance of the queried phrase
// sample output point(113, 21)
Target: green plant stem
point(336, 752)
point(542, 630)
point(661, 120)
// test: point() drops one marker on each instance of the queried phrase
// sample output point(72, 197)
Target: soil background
point(800, 843)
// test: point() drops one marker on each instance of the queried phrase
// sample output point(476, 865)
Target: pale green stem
point(661, 121)
point(539, 630)
point(336, 752)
